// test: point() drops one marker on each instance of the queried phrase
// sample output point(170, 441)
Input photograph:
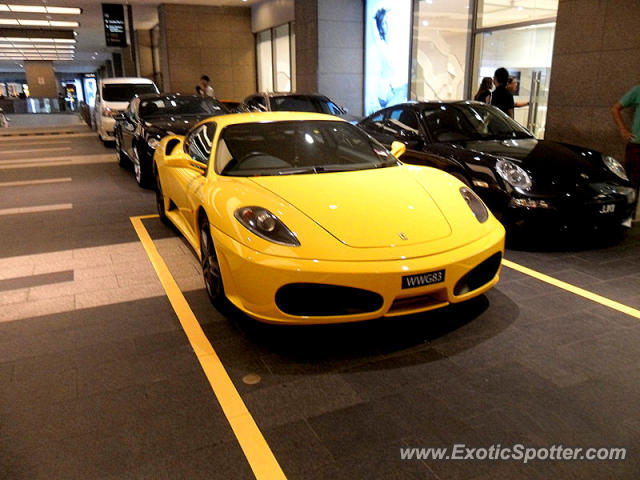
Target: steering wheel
point(233, 163)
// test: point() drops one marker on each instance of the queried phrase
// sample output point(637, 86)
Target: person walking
point(501, 97)
point(205, 88)
point(512, 86)
point(631, 99)
point(484, 92)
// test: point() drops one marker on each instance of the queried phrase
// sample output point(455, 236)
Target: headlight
point(475, 204)
point(615, 166)
point(513, 174)
point(153, 143)
point(266, 225)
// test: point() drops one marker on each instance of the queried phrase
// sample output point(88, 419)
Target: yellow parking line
point(594, 297)
point(260, 457)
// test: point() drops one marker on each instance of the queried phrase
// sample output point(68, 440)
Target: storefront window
point(265, 61)
point(282, 60)
point(440, 38)
point(526, 53)
point(503, 12)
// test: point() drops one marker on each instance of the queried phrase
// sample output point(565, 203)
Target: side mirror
point(184, 160)
point(398, 149)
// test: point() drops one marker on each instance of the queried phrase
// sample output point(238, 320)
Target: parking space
point(101, 381)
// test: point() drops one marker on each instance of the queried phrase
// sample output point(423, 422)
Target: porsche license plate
point(422, 279)
point(607, 208)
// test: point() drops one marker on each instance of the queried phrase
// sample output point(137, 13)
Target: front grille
point(320, 300)
point(479, 276)
point(428, 301)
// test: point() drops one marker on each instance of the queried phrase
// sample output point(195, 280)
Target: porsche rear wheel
point(210, 266)
point(160, 203)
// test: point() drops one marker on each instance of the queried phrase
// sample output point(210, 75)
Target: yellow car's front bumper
point(253, 281)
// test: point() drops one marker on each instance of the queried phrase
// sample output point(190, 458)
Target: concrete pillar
point(202, 40)
point(41, 79)
point(145, 53)
point(595, 61)
point(330, 50)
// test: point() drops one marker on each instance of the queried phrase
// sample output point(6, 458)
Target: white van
point(113, 97)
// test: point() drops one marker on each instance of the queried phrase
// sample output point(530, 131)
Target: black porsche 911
point(523, 180)
point(150, 117)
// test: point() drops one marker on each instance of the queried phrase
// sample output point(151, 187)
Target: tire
point(160, 202)
point(210, 266)
point(142, 174)
point(122, 159)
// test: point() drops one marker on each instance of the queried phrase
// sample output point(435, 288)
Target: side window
point(198, 142)
point(403, 120)
point(256, 104)
point(374, 123)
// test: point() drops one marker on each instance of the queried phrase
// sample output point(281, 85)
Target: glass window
point(123, 92)
point(404, 119)
point(441, 32)
point(503, 12)
point(198, 142)
point(180, 105)
point(282, 58)
point(265, 61)
point(305, 103)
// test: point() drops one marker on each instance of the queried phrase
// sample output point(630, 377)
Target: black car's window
point(123, 92)
point(304, 103)
point(179, 105)
point(403, 119)
point(198, 142)
point(297, 147)
point(373, 122)
point(256, 104)
point(450, 123)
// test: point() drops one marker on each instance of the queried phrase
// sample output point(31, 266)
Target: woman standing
point(484, 92)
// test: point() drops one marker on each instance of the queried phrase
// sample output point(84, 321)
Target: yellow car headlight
point(265, 224)
point(475, 204)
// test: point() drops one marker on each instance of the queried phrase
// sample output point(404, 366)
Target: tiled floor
point(98, 380)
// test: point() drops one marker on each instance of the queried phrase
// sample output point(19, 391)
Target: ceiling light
point(40, 9)
point(8, 21)
point(37, 23)
point(425, 23)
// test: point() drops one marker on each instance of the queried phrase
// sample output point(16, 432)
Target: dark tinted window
point(304, 103)
point(123, 92)
point(287, 148)
point(181, 106)
point(403, 119)
point(447, 123)
point(257, 104)
point(198, 142)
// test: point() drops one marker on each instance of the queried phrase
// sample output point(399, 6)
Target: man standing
point(502, 97)
point(205, 88)
point(632, 137)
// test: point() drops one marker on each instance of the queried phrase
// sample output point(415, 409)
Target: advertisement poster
point(387, 47)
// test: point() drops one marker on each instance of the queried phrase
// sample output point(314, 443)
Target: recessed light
point(425, 23)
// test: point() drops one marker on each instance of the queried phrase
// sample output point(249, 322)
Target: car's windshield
point(178, 105)
point(460, 122)
point(297, 147)
point(304, 103)
point(124, 92)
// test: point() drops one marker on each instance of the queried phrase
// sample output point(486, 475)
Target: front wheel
point(160, 203)
point(141, 172)
point(211, 266)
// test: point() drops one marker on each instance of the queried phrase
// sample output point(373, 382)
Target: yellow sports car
point(303, 218)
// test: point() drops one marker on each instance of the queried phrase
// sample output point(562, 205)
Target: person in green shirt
point(631, 99)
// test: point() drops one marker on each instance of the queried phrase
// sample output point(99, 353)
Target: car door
point(439, 123)
point(128, 127)
point(197, 145)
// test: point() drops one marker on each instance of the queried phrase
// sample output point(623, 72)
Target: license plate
point(607, 208)
point(422, 279)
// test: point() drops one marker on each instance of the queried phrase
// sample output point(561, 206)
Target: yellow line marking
point(260, 457)
point(594, 297)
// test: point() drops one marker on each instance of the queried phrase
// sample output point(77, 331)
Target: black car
point(294, 102)
point(149, 118)
point(520, 178)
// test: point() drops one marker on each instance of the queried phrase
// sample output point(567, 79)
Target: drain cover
point(251, 379)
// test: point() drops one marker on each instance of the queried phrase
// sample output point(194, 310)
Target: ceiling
point(91, 50)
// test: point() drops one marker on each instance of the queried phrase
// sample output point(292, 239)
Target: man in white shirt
point(205, 88)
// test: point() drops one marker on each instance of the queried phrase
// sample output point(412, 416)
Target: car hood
point(176, 124)
point(367, 208)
